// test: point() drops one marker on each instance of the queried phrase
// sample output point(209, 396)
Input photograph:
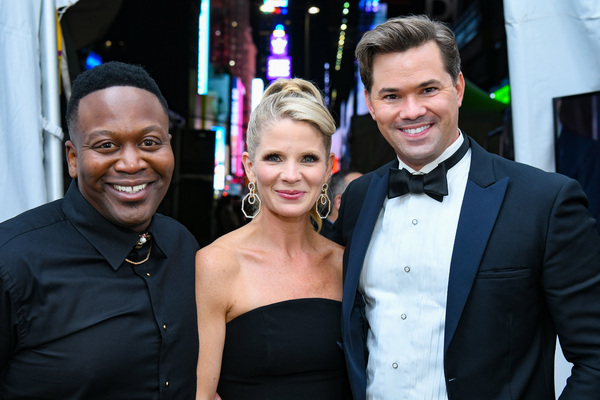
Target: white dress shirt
point(404, 281)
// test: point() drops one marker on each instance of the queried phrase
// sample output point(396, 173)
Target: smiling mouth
point(130, 189)
point(416, 130)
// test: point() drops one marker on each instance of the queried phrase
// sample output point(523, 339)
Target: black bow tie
point(433, 184)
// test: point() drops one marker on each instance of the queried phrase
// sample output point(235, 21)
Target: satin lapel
point(361, 237)
point(477, 218)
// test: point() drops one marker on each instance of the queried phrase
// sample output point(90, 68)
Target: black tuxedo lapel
point(367, 218)
point(481, 205)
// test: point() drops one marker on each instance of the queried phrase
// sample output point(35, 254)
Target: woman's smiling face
point(290, 166)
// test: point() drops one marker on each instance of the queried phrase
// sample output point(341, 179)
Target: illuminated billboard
point(279, 64)
point(279, 67)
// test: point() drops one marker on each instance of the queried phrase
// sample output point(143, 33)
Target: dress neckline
point(285, 302)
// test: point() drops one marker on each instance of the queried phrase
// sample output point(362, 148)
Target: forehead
point(291, 135)
point(119, 107)
point(118, 96)
point(415, 62)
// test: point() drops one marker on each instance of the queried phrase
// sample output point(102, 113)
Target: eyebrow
point(429, 83)
point(420, 86)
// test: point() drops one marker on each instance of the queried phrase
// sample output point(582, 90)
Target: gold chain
point(144, 260)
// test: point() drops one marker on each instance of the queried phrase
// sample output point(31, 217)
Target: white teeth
point(130, 189)
point(416, 130)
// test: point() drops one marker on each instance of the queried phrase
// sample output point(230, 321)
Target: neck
point(288, 234)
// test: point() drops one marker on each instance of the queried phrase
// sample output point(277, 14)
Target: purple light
point(279, 67)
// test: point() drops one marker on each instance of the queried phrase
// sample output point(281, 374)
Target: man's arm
point(571, 280)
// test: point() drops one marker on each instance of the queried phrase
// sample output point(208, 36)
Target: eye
point(272, 158)
point(105, 147)
point(390, 97)
point(310, 158)
point(149, 142)
point(429, 90)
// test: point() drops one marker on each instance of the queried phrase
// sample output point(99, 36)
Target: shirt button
point(403, 316)
point(165, 327)
point(415, 221)
point(395, 365)
point(407, 269)
point(147, 273)
point(167, 384)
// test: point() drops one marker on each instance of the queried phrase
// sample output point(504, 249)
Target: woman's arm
point(213, 280)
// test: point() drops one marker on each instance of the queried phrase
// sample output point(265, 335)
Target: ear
point(370, 105)
point(337, 201)
point(330, 162)
point(71, 158)
point(248, 164)
point(460, 88)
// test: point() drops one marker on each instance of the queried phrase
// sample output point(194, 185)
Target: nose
point(290, 172)
point(130, 160)
point(412, 108)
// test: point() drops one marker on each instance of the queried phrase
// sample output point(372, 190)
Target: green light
point(502, 95)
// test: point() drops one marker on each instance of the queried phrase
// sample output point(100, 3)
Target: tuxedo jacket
point(525, 267)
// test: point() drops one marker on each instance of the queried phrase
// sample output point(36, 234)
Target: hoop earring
point(252, 200)
point(323, 203)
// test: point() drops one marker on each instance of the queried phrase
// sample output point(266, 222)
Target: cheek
point(317, 179)
point(262, 176)
point(167, 165)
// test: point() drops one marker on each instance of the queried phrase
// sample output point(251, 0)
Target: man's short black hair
point(337, 182)
point(112, 73)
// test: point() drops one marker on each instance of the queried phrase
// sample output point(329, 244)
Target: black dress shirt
point(79, 322)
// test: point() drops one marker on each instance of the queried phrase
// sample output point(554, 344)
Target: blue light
point(203, 47)
point(92, 60)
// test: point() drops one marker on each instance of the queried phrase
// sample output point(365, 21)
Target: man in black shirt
point(96, 290)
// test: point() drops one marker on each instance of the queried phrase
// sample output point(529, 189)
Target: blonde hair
point(295, 99)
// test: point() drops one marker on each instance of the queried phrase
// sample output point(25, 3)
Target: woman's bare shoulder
point(220, 259)
point(332, 247)
point(332, 253)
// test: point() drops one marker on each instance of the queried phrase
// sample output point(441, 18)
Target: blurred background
point(531, 67)
point(213, 67)
point(212, 59)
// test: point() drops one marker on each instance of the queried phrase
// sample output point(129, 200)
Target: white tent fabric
point(22, 181)
point(553, 51)
point(22, 172)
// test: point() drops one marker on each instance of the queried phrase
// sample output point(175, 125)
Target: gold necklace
point(144, 260)
point(144, 237)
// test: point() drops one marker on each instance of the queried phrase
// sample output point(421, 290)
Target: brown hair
point(403, 33)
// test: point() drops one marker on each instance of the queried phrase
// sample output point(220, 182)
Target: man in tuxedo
point(461, 267)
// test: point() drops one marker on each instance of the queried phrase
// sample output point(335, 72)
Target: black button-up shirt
point(79, 322)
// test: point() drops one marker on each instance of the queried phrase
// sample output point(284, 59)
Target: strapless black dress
point(285, 351)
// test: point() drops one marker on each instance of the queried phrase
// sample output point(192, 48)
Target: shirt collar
point(113, 242)
point(431, 166)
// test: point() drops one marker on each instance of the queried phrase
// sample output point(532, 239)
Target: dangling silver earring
point(252, 200)
point(323, 203)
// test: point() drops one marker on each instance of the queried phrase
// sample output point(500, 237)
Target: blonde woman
point(269, 293)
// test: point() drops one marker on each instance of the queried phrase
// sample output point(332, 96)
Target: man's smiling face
point(121, 155)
